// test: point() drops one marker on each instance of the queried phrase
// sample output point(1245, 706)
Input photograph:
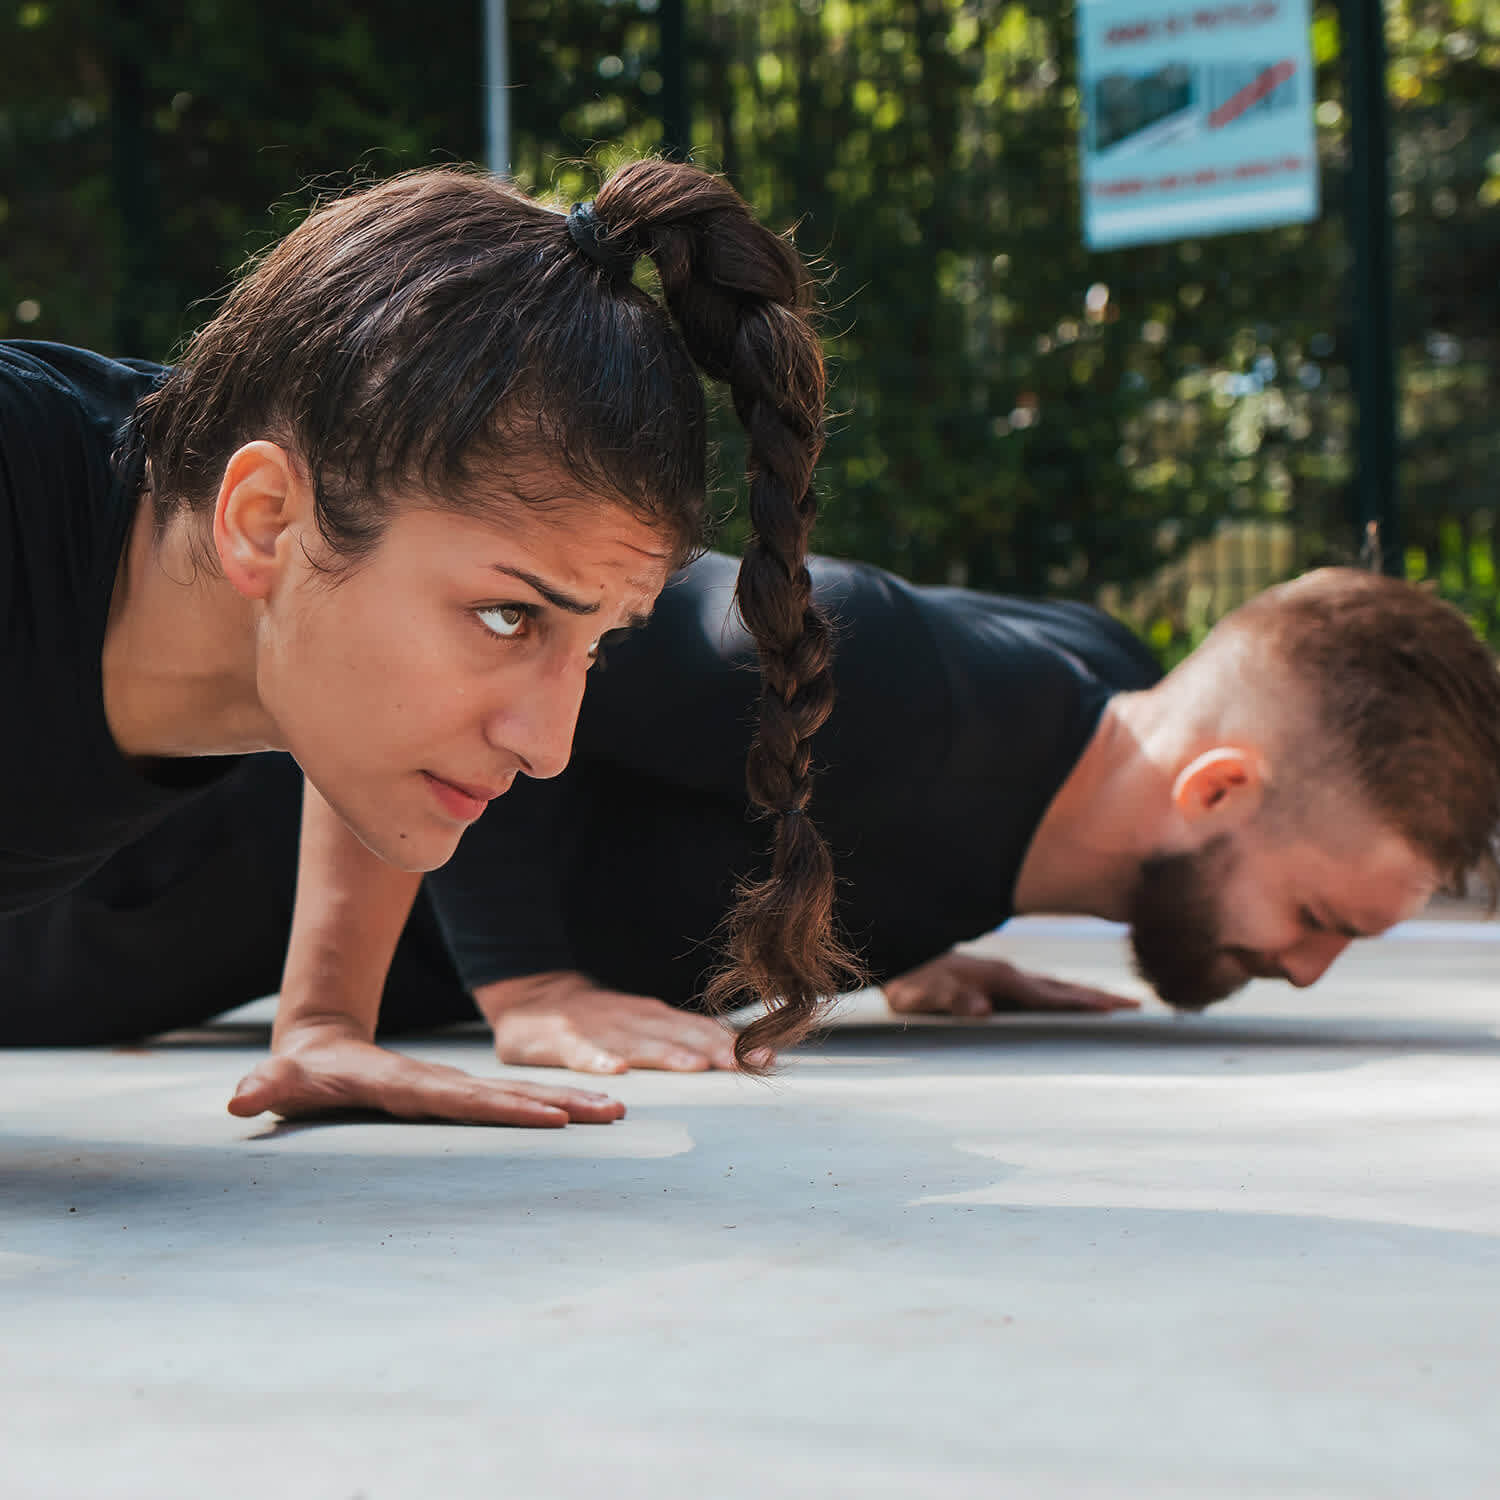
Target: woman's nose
point(536, 721)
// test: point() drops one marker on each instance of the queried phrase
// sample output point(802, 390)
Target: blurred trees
point(1012, 410)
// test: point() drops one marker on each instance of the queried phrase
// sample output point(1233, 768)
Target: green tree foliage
point(1012, 410)
point(147, 147)
point(1026, 414)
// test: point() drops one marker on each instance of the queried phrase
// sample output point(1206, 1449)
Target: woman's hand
point(564, 1020)
point(959, 984)
point(327, 1071)
point(349, 913)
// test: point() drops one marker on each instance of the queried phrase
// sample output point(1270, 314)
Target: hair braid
point(744, 301)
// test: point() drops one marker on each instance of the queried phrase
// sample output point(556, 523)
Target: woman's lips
point(459, 800)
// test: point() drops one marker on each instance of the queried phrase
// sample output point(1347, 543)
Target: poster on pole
point(1197, 118)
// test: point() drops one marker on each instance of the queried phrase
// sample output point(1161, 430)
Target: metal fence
point(1163, 428)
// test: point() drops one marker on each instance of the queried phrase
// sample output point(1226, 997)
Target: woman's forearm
point(350, 909)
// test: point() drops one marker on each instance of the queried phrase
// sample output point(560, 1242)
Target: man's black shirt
point(68, 798)
point(959, 715)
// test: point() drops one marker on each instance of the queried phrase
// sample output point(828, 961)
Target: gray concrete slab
point(1255, 1254)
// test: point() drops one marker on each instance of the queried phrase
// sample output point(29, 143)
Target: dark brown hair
point(432, 330)
point(1408, 705)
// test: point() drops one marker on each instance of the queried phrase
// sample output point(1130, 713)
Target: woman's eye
point(505, 620)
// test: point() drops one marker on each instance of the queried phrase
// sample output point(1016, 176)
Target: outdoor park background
point(1161, 428)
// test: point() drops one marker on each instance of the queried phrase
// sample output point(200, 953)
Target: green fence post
point(130, 178)
point(1376, 499)
point(676, 125)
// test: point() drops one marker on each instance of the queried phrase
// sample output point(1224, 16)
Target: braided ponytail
point(743, 302)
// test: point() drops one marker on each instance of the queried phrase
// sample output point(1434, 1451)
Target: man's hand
point(327, 1072)
point(563, 1020)
point(958, 984)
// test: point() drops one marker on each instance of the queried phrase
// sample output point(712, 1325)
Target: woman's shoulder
point(63, 497)
point(62, 413)
point(47, 388)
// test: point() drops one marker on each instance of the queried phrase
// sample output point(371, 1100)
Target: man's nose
point(536, 720)
point(1311, 959)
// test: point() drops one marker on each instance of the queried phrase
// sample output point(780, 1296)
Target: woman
point(433, 449)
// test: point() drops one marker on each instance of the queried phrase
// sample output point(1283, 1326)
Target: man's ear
point(262, 497)
point(1226, 783)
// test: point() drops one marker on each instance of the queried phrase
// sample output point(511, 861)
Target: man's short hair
point(1408, 704)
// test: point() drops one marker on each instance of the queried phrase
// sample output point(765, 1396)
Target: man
point(1325, 761)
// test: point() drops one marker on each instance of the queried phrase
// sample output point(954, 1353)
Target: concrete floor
point(1255, 1254)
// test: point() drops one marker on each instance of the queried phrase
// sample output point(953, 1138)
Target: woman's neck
point(179, 651)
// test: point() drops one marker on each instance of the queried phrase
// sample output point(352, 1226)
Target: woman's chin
point(416, 841)
point(417, 851)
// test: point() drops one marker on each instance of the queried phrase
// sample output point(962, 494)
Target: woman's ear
point(262, 498)
point(1226, 783)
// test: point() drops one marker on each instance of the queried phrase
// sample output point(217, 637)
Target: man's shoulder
point(1026, 636)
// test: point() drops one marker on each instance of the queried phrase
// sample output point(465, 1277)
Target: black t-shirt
point(68, 798)
point(959, 715)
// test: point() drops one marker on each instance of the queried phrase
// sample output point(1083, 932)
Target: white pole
point(496, 87)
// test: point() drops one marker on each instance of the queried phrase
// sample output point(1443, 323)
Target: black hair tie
point(617, 261)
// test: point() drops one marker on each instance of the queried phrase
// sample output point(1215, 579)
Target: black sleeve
point(500, 899)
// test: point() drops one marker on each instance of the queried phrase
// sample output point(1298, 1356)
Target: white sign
point(1198, 119)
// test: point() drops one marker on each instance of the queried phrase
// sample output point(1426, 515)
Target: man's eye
point(505, 620)
point(1311, 922)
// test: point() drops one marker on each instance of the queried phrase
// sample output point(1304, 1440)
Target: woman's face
point(414, 687)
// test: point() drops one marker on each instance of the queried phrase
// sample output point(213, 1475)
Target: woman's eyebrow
point(551, 594)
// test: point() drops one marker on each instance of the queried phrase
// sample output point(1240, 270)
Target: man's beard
point(1175, 927)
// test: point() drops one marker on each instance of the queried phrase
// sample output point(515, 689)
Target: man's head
point(1336, 759)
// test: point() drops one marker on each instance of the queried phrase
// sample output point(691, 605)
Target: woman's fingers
point(264, 1086)
point(529, 1041)
point(362, 1076)
point(657, 1036)
point(685, 1042)
point(602, 1031)
point(579, 1053)
point(669, 1055)
point(426, 1092)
